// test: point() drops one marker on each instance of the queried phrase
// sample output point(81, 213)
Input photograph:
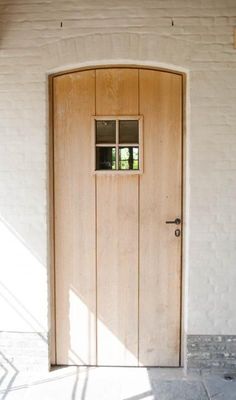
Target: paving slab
point(179, 390)
point(220, 389)
point(166, 373)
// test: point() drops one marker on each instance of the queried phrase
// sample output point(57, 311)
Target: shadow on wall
point(21, 265)
point(2, 8)
point(23, 281)
point(3, 23)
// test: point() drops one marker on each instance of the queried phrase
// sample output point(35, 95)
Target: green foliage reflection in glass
point(128, 158)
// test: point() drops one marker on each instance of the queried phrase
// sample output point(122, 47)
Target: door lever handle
point(177, 221)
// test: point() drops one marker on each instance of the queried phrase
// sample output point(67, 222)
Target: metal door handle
point(177, 221)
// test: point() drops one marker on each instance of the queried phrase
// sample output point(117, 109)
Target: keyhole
point(177, 232)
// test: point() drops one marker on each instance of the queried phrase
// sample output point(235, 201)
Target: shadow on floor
point(82, 383)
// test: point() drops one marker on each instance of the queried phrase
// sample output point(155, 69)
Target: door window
point(118, 144)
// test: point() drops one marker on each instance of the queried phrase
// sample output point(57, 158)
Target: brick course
point(212, 352)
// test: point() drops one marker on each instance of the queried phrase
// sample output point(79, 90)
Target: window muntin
point(118, 144)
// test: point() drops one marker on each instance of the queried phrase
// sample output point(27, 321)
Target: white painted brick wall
point(200, 42)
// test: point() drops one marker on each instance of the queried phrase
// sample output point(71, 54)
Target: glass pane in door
point(128, 158)
point(105, 158)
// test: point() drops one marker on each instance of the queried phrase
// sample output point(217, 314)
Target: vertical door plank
point(117, 234)
point(74, 103)
point(117, 91)
point(160, 200)
point(117, 239)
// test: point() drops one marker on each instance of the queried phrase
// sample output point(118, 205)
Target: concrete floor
point(73, 383)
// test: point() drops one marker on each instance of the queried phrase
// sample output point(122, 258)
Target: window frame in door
point(117, 118)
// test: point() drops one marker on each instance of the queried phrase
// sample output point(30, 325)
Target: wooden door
point(117, 262)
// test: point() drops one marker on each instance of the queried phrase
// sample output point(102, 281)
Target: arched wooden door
point(117, 180)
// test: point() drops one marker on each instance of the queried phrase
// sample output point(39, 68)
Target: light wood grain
point(117, 234)
point(117, 91)
point(74, 103)
point(117, 264)
point(160, 200)
point(117, 270)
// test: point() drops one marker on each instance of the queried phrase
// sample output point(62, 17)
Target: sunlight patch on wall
point(23, 285)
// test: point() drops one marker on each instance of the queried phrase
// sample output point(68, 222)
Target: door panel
point(117, 234)
point(160, 200)
point(117, 91)
point(117, 262)
point(74, 100)
point(117, 270)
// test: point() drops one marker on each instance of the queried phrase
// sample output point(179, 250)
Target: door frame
point(51, 215)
